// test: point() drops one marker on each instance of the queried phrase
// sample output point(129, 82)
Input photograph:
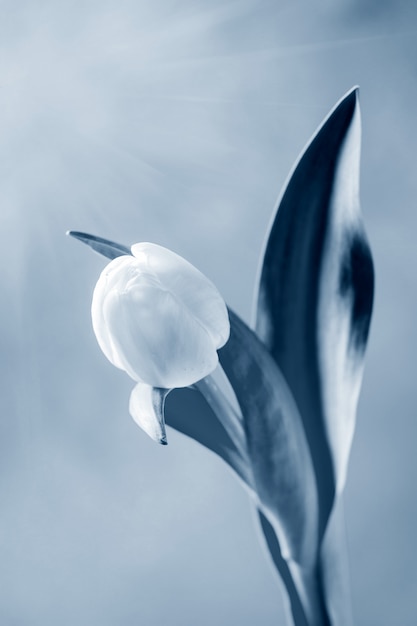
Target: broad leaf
point(313, 311)
point(270, 454)
point(277, 447)
point(315, 292)
point(282, 467)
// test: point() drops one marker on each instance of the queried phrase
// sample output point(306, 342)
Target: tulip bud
point(158, 318)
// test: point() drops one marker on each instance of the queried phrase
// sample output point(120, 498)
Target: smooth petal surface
point(315, 292)
point(190, 286)
point(146, 406)
point(158, 318)
point(111, 278)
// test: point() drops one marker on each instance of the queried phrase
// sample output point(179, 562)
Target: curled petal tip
point(147, 409)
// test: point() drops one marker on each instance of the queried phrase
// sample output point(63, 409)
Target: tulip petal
point(144, 328)
point(315, 292)
point(199, 294)
point(146, 406)
point(109, 282)
point(192, 288)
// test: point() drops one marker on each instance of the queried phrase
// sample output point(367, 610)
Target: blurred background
point(177, 122)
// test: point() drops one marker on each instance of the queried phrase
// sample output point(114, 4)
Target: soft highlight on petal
point(158, 318)
point(157, 340)
point(110, 278)
point(189, 285)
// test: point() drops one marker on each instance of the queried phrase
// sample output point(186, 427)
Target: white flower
point(159, 319)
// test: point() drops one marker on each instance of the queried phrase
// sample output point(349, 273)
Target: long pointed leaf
point(313, 311)
point(315, 292)
point(106, 247)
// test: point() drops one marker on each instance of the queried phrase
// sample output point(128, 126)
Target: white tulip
point(159, 319)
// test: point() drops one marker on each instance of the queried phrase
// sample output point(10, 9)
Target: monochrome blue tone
point(177, 123)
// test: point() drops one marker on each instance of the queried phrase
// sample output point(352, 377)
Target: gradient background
point(177, 122)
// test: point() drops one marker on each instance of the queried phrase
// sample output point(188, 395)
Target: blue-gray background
point(177, 122)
